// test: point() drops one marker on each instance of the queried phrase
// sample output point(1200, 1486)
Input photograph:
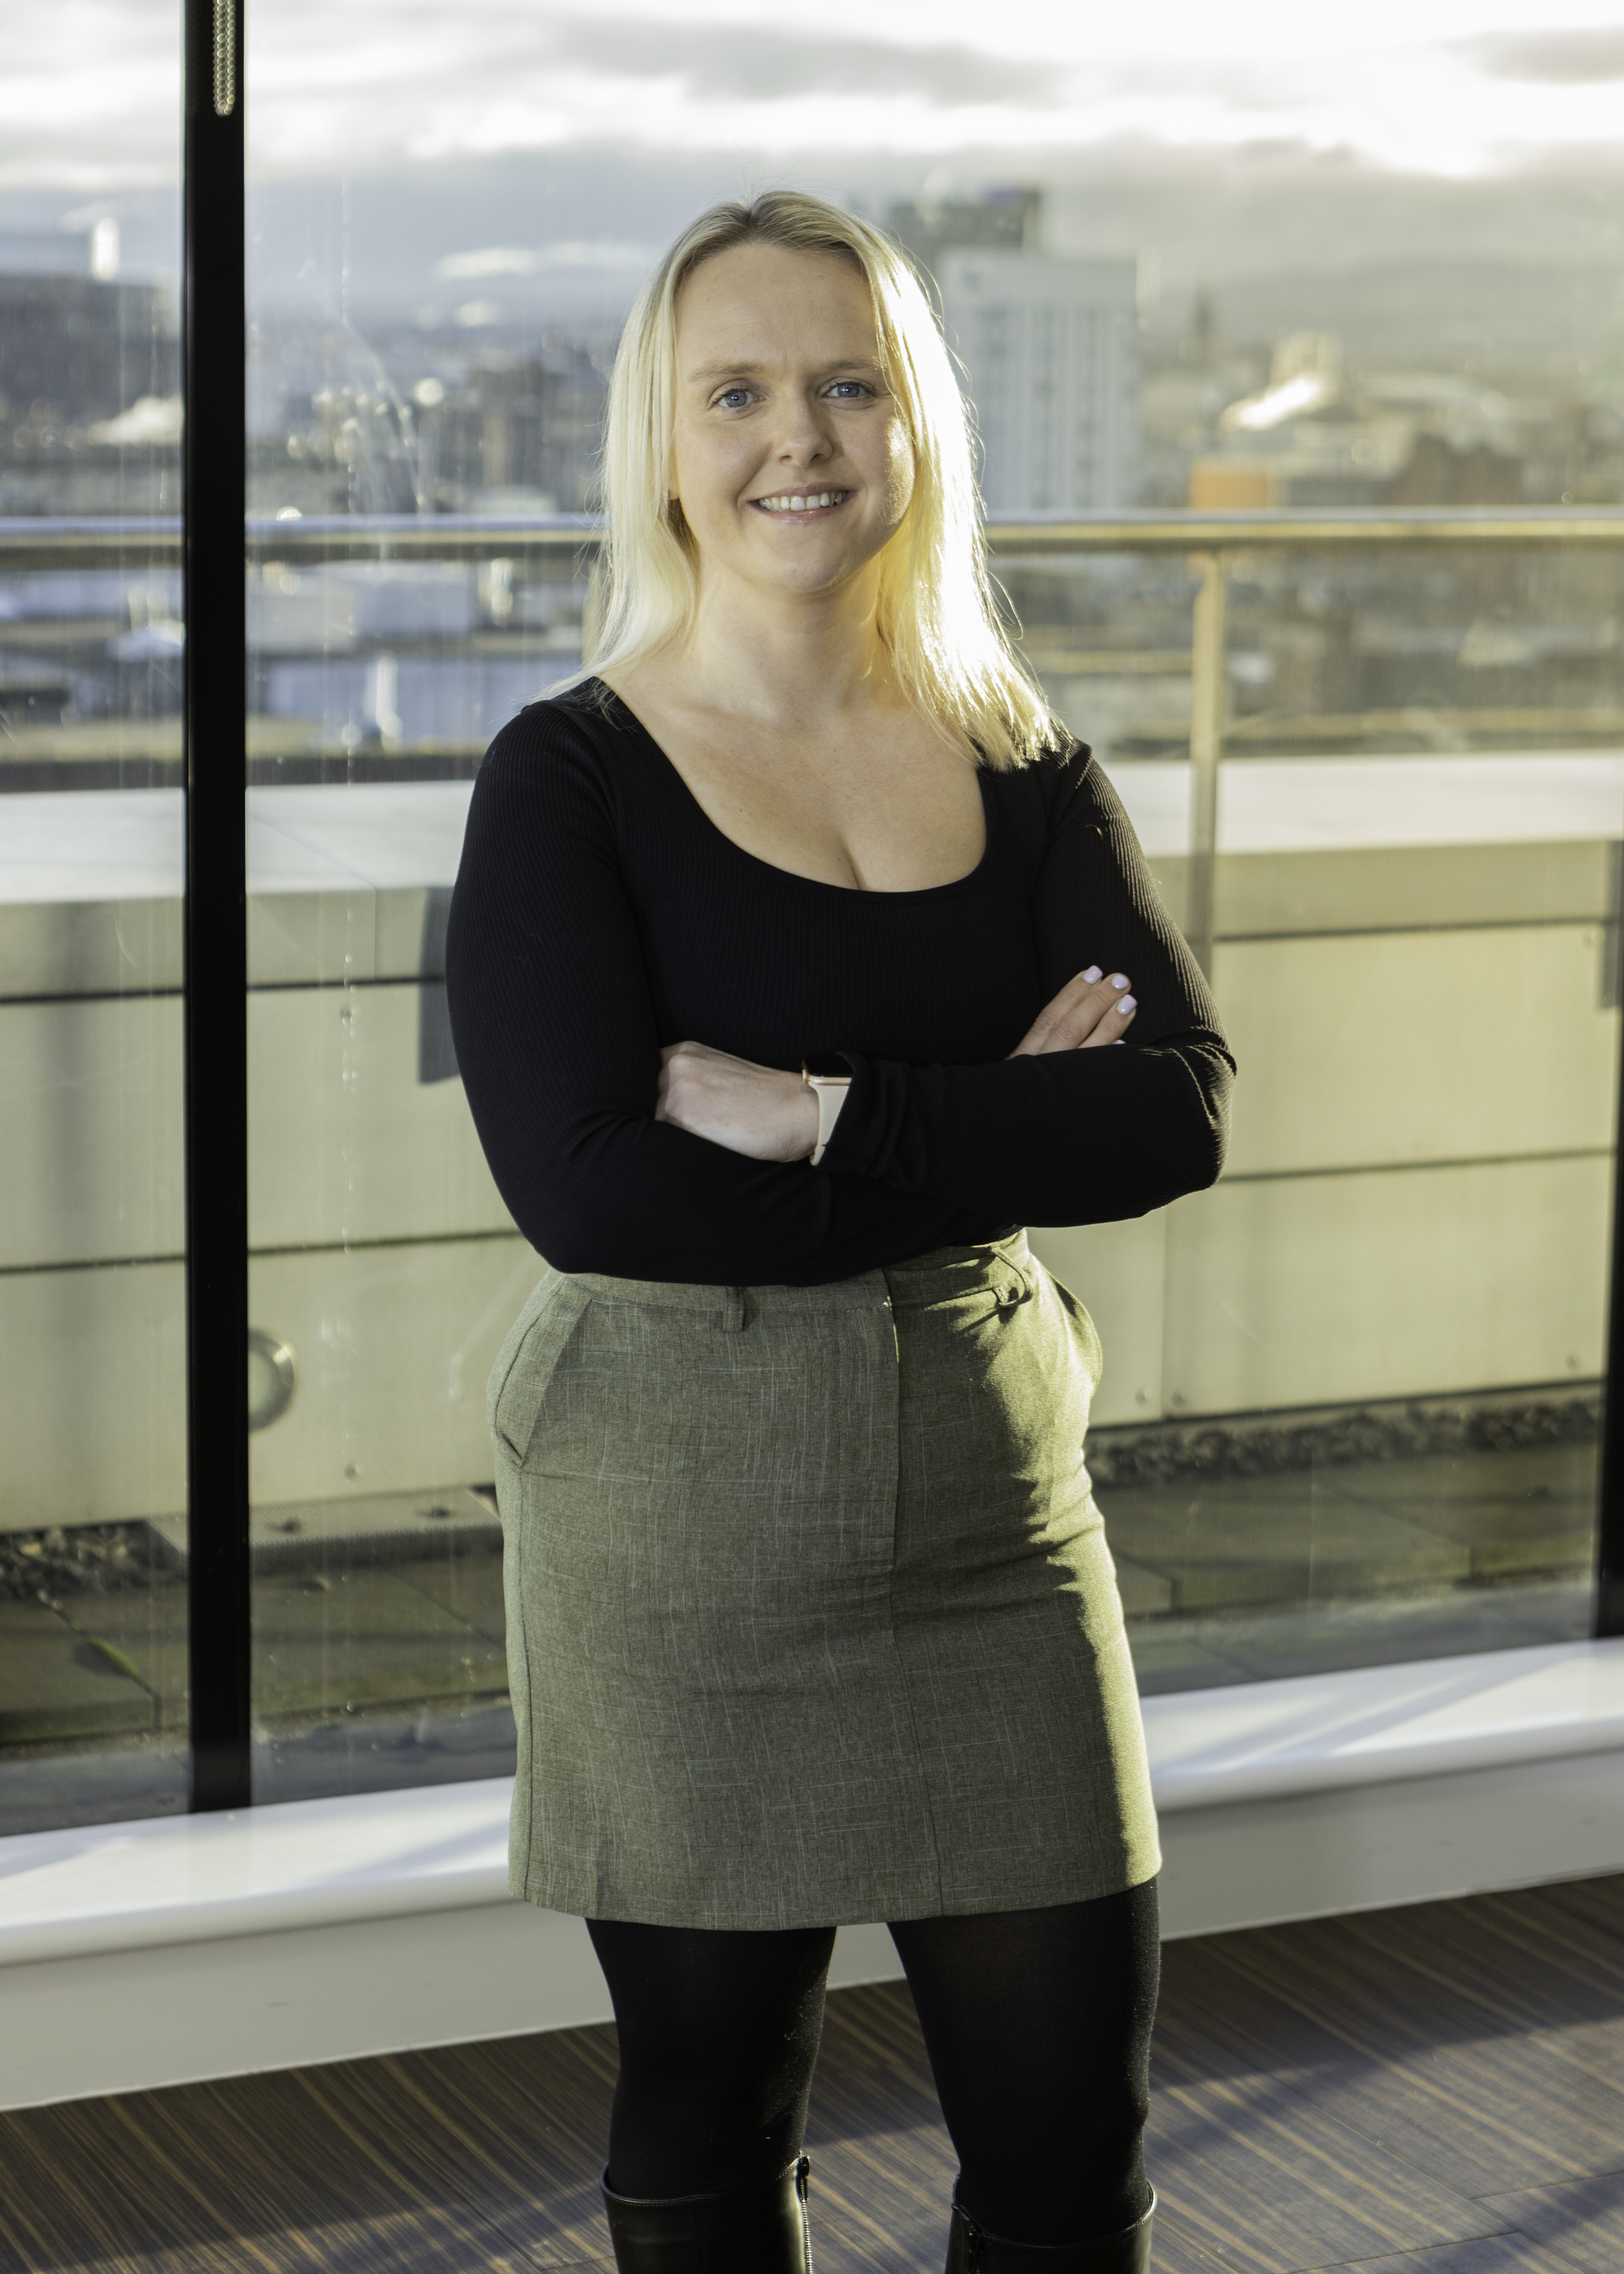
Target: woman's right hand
point(1090, 1010)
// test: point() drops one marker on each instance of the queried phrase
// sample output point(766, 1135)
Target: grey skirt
point(811, 1616)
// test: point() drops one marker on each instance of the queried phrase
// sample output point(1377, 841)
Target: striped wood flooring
point(1432, 2090)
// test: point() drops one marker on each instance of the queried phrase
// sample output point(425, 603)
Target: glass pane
point(414, 577)
point(384, 1275)
point(1352, 1395)
point(93, 1483)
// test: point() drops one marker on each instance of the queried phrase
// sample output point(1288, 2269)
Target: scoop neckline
point(792, 876)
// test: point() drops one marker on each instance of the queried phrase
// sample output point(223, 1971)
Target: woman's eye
point(848, 389)
point(733, 398)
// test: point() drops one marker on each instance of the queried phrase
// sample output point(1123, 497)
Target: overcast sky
point(89, 95)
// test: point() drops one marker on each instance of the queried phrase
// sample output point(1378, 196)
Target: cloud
point(1588, 58)
point(89, 95)
point(538, 260)
point(720, 60)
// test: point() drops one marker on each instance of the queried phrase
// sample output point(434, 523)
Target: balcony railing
point(1186, 1573)
point(30, 541)
point(1213, 543)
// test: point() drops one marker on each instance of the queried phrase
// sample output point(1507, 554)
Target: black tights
point(1037, 2024)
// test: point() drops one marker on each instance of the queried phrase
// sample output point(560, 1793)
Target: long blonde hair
point(936, 615)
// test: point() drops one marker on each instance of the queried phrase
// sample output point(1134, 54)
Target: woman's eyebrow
point(706, 372)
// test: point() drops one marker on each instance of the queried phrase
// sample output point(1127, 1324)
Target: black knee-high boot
point(756, 2229)
point(972, 2250)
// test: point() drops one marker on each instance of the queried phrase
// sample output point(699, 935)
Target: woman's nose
point(804, 435)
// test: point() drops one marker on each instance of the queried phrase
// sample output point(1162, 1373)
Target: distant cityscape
point(1081, 404)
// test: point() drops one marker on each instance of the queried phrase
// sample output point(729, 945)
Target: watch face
point(826, 1063)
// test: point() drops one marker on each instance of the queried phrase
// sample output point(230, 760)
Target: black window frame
point(215, 771)
point(214, 508)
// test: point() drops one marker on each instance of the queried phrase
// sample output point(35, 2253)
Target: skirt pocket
point(528, 1362)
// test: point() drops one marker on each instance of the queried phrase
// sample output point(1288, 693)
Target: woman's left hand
point(758, 1111)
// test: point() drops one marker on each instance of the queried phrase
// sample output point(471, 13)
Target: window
point(1372, 734)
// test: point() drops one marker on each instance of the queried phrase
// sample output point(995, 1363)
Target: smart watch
point(831, 1078)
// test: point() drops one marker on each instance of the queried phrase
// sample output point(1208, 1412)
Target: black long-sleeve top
point(599, 916)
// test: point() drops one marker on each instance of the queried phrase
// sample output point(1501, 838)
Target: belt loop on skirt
point(733, 1311)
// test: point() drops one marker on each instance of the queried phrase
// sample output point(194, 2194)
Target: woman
point(811, 1614)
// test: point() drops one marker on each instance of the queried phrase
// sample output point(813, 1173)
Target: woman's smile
point(802, 504)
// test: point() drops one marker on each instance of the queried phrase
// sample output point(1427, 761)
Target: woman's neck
point(786, 660)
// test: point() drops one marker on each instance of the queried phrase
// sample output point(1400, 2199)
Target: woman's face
point(790, 454)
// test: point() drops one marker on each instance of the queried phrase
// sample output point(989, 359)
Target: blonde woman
point(798, 958)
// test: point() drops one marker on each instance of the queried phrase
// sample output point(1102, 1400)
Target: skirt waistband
point(939, 1273)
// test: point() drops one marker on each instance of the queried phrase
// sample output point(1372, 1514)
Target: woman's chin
point(814, 560)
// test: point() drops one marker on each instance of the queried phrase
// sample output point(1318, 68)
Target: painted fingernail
point(1118, 979)
point(1092, 974)
point(1126, 1005)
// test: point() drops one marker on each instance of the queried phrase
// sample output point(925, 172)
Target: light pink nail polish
point(1118, 980)
point(1126, 1005)
point(1092, 974)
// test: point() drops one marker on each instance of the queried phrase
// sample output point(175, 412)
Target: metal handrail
point(30, 541)
point(1362, 528)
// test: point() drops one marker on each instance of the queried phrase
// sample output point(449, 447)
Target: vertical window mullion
point(1610, 1506)
point(217, 1049)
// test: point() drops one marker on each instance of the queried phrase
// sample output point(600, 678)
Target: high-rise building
point(520, 428)
point(1001, 221)
point(76, 345)
point(1049, 347)
point(90, 250)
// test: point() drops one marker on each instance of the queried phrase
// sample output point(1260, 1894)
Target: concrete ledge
point(125, 2020)
point(163, 1952)
point(1375, 1724)
point(256, 1870)
point(1367, 1847)
point(319, 1862)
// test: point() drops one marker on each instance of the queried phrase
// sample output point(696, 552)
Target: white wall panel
point(90, 1130)
point(93, 1395)
point(1308, 1290)
point(393, 1346)
point(1418, 1046)
point(345, 1141)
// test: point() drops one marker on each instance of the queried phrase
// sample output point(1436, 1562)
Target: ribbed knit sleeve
point(1078, 1136)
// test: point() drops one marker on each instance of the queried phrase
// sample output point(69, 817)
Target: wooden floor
point(1434, 2091)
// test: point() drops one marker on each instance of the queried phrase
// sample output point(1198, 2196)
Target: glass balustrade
point(1351, 1395)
